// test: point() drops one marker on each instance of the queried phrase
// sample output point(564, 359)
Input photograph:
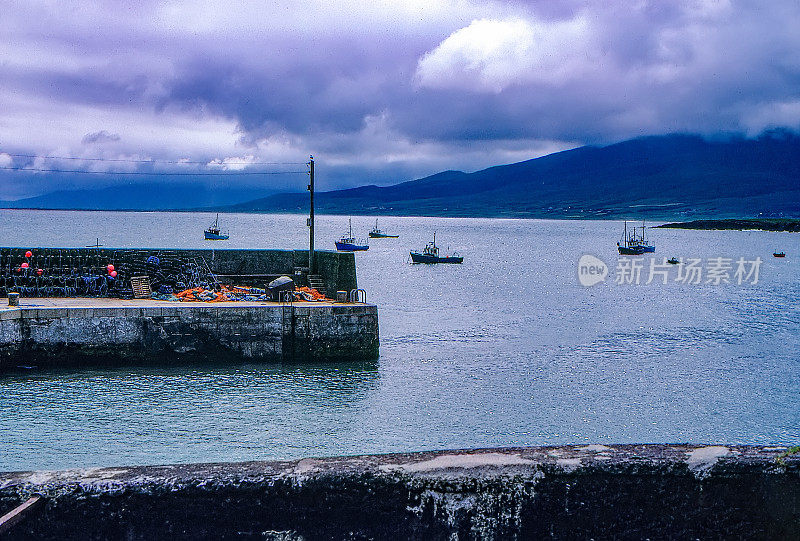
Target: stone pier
point(48, 332)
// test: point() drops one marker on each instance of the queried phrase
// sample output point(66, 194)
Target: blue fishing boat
point(634, 243)
point(348, 242)
point(430, 254)
point(214, 233)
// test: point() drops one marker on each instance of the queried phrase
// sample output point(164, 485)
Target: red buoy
point(24, 266)
point(28, 254)
point(113, 274)
point(39, 272)
point(110, 268)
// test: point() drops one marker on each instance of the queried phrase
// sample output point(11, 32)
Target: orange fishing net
point(234, 293)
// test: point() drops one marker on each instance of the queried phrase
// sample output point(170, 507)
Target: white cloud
point(490, 55)
point(232, 163)
point(773, 115)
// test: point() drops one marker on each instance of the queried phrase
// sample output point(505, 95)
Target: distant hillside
point(139, 196)
point(658, 177)
point(774, 224)
point(666, 177)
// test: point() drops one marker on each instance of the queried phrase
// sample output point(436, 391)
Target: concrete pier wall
point(568, 492)
point(60, 332)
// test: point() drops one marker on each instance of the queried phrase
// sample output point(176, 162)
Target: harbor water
point(507, 349)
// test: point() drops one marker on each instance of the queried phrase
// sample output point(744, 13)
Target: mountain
point(660, 177)
point(139, 196)
point(666, 177)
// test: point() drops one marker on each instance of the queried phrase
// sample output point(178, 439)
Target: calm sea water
point(507, 349)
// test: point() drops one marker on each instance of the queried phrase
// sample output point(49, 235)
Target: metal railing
point(358, 295)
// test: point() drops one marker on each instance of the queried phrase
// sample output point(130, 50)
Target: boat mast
point(625, 234)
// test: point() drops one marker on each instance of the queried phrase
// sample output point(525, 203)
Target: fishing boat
point(213, 232)
point(634, 243)
point(378, 234)
point(348, 242)
point(779, 254)
point(431, 255)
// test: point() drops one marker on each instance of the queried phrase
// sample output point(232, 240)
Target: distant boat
point(673, 261)
point(378, 234)
point(348, 242)
point(431, 255)
point(633, 243)
point(213, 232)
point(779, 254)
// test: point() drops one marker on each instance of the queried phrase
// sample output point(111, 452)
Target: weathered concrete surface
point(60, 332)
point(568, 492)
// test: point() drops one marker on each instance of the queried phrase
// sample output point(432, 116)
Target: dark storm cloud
point(382, 91)
point(101, 136)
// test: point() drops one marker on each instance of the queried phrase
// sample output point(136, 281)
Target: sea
point(543, 336)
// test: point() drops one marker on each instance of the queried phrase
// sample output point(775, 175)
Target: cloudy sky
point(379, 91)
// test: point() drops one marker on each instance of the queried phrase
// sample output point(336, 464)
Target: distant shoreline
point(774, 224)
point(765, 224)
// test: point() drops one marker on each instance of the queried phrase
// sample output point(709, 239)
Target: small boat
point(633, 243)
point(673, 261)
point(213, 232)
point(779, 254)
point(348, 242)
point(378, 234)
point(431, 255)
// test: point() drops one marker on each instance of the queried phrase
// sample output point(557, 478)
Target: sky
point(378, 91)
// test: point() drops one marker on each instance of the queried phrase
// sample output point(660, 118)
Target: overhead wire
point(129, 160)
point(166, 174)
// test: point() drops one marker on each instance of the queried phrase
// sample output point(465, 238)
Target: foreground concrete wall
point(574, 492)
point(145, 331)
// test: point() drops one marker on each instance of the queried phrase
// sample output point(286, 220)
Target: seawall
point(63, 332)
point(63, 266)
point(567, 492)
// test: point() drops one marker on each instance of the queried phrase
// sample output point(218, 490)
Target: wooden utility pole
point(311, 217)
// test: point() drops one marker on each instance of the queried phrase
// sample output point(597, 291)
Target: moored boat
point(779, 254)
point(379, 234)
point(214, 233)
point(430, 254)
point(634, 243)
point(348, 242)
